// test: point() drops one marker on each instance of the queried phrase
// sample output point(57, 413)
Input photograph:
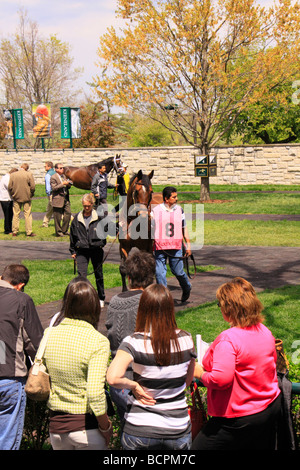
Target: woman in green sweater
point(76, 358)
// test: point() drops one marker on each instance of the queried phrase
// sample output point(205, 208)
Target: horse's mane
point(103, 162)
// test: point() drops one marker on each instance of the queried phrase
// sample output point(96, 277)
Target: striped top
point(168, 418)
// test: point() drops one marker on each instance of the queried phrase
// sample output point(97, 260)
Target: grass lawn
point(219, 232)
point(249, 203)
point(252, 233)
point(241, 202)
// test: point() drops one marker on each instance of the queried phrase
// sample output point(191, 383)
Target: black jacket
point(80, 237)
point(100, 184)
point(20, 331)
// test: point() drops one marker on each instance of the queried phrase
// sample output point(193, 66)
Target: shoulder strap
point(42, 347)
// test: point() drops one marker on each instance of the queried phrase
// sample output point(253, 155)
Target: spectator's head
point(13, 170)
point(156, 317)
point(81, 301)
point(16, 275)
point(48, 166)
point(239, 304)
point(59, 168)
point(25, 166)
point(140, 268)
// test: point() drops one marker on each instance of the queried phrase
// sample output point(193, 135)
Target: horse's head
point(141, 192)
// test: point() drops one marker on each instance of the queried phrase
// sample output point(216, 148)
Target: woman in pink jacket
point(239, 371)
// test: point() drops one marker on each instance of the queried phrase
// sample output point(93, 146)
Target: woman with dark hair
point(122, 312)
point(239, 371)
point(76, 358)
point(162, 358)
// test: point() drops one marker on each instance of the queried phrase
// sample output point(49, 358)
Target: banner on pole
point(41, 114)
point(70, 123)
point(14, 123)
point(18, 123)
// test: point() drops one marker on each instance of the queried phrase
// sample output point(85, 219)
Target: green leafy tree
point(96, 128)
point(275, 119)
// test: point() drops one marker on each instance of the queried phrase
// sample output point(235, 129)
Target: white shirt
point(4, 194)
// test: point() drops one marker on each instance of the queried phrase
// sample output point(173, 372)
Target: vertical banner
point(41, 114)
point(65, 123)
point(14, 123)
point(75, 123)
point(70, 123)
point(18, 123)
point(8, 123)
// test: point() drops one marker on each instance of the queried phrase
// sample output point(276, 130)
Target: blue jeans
point(12, 412)
point(130, 442)
point(119, 397)
point(176, 266)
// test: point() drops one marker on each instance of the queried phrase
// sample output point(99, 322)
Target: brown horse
point(135, 223)
point(82, 176)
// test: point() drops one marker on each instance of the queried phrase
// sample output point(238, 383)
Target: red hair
point(239, 303)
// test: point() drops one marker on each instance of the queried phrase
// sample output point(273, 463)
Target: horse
point(82, 176)
point(136, 214)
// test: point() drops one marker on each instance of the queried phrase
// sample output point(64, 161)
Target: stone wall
point(278, 164)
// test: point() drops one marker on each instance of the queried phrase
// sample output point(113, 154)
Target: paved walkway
point(264, 267)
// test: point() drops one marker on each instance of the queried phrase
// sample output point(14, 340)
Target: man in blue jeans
point(20, 335)
point(169, 228)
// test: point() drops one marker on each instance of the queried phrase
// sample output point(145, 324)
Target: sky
point(77, 22)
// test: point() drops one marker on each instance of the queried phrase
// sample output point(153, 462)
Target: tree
point(275, 119)
point(34, 69)
point(96, 128)
point(200, 62)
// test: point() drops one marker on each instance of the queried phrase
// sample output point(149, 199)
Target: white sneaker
point(101, 303)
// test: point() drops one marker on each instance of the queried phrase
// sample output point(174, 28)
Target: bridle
point(137, 207)
point(135, 193)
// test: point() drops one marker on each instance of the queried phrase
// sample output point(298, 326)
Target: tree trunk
point(204, 191)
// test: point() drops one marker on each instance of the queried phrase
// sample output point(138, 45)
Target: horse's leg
point(122, 270)
point(123, 276)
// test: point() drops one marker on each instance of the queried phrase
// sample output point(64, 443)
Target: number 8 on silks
point(168, 228)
